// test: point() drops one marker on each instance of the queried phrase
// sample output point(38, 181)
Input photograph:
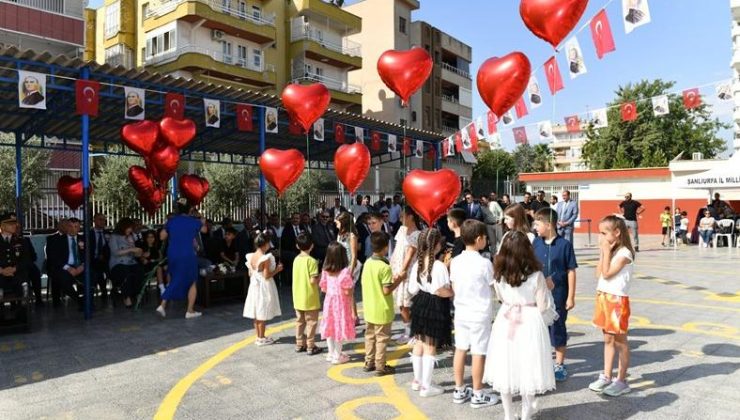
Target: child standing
point(306, 296)
point(558, 259)
point(665, 225)
point(262, 303)
point(684, 227)
point(612, 310)
point(338, 322)
point(515, 219)
point(377, 299)
point(455, 219)
point(404, 257)
point(431, 320)
point(471, 275)
point(519, 360)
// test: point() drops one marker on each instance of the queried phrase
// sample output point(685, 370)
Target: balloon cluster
point(159, 143)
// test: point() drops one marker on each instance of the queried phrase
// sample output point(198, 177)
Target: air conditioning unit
point(217, 35)
point(697, 156)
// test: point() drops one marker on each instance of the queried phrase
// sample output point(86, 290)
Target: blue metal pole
point(263, 185)
point(85, 74)
point(437, 157)
point(19, 178)
point(173, 190)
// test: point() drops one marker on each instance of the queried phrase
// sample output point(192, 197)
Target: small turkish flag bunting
point(339, 133)
point(244, 115)
point(629, 111)
point(375, 141)
point(174, 106)
point(691, 98)
point(573, 124)
point(87, 97)
point(554, 79)
point(520, 135)
point(601, 33)
point(521, 108)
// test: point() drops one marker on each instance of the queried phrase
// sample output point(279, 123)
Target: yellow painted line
point(670, 303)
point(643, 384)
point(684, 268)
point(167, 409)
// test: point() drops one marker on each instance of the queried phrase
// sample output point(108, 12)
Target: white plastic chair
point(725, 225)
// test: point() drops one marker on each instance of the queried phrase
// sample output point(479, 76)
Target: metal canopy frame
point(59, 128)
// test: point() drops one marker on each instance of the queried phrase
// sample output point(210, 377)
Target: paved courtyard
point(685, 341)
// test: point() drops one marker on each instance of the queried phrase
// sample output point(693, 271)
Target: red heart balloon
point(70, 190)
point(151, 202)
point(404, 72)
point(306, 103)
point(352, 163)
point(177, 133)
point(552, 20)
point(282, 168)
point(140, 136)
point(141, 179)
point(164, 161)
point(194, 188)
point(431, 194)
point(502, 81)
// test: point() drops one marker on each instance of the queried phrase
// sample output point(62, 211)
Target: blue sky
point(687, 41)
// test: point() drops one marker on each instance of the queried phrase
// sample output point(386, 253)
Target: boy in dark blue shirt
point(559, 267)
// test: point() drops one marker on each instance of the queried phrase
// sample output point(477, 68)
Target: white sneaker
point(264, 341)
point(483, 400)
point(343, 358)
point(329, 357)
point(432, 391)
point(415, 385)
point(161, 312)
point(189, 315)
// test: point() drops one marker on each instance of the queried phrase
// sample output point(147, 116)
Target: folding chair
point(725, 229)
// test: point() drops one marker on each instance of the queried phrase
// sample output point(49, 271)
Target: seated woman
point(706, 228)
point(126, 272)
point(229, 254)
point(151, 256)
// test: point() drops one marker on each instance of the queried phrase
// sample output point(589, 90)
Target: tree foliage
point(229, 188)
point(543, 158)
point(303, 196)
point(492, 170)
point(651, 140)
point(111, 184)
point(34, 167)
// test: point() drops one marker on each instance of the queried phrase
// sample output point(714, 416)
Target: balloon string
point(308, 160)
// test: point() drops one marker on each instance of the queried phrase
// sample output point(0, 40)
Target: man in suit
point(337, 209)
point(322, 234)
point(226, 223)
point(65, 263)
point(380, 203)
point(472, 208)
point(289, 250)
point(100, 252)
point(567, 215)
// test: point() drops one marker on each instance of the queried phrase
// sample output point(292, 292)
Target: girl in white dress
point(402, 259)
point(518, 361)
point(262, 303)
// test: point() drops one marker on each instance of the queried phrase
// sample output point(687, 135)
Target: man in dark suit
point(65, 262)
point(100, 252)
point(337, 209)
point(472, 208)
point(288, 247)
point(322, 234)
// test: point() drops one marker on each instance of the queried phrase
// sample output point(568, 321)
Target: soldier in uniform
point(12, 272)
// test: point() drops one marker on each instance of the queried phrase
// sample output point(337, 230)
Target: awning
point(725, 176)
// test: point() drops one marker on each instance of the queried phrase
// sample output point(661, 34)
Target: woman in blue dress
point(182, 261)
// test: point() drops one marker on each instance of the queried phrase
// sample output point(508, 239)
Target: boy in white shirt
point(471, 276)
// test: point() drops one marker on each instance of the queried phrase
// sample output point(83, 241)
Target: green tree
point(34, 166)
point(229, 188)
point(303, 196)
point(651, 140)
point(524, 158)
point(111, 185)
point(492, 170)
point(543, 158)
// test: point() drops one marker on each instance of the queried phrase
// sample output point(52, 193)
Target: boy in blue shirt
point(559, 265)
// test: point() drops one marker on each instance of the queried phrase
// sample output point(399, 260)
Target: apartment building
point(55, 26)
point(568, 149)
point(252, 44)
point(735, 63)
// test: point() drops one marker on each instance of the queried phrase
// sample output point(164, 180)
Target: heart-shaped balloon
point(306, 103)
point(140, 136)
point(431, 194)
point(164, 161)
point(352, 163)
point(141, 179)
point(503, 80)
point(177, 133)
point(70, 190)
point(194, 188)
point(404, 72)
point(282, 168)
point(552, 20)
point(151, 202)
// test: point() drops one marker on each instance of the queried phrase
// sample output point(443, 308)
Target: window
point(256, 12)
point(257, 58)
point(413, 116)
point(161, 43)
point(319, 72)
point(144, 10)
point(112, 19)
point(243, 9)
point(226, 49)
point(402, 24)
point(307, 70)
point(225, 5)
point(241, 55)
point(119, 55)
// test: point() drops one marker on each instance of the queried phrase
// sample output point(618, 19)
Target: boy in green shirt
point(665, 224)
point(306, 296)
point(377, 302)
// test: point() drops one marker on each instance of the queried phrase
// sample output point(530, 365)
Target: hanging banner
point(392, 139)
point(691, 98)
point(535, 96)
point(573, 124)
point(520, 108)
point(339, 135)
point(244, 115)
point(660, 105)
point(576, 65)
point(450, 142)
point(544, 129)
point(87, 97)
point(174, 106)
point(491, 119)
point(318, 130)
point(495, 140)
point(406, 146)
point(636, 13)
point(508, 118)
point(601, 34)
point(213, 112)
point(480, 128)
point(359, 135)
point(375, 141)
point(598, 117)
point(520, 135)
point(554, 79)
point(31, 90)
point(419, 152)
point(724, 91)
point(271, 120)
point(135, 103)
point(629, 111)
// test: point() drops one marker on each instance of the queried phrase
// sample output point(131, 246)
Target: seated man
point(12, 254)
point(228, 252)
point(64, 262)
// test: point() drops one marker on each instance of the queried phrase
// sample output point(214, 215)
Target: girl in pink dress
point(338, 322)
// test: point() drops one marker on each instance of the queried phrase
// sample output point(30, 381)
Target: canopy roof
point(724, 176)
point(60, 123)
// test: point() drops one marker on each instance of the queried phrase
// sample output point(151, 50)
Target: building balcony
point(351, 24)
point(311, 42)
point(735, 7)
point(197, 60)
point(736, 115)
point(341, 91)
point(67, 8)
point(455, 76)
point(452, 105)
point(448, 130)
point(217, 16)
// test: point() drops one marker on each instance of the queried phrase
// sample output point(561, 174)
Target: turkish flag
point(520, 135)
point(458, 141)
point(294, 128)
point(406, 146)
point(691, 98)
point(339, 132)
point(87, 97)
point(521, 108)
point(629, 111)
point(473, 138)
point(554, 79)
point(432, 152)
point(601, 33)
point(174, 106)
point(573, 124)
point(375, 141)
point(244, 115)
point(445, 148)
point(492, 120)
